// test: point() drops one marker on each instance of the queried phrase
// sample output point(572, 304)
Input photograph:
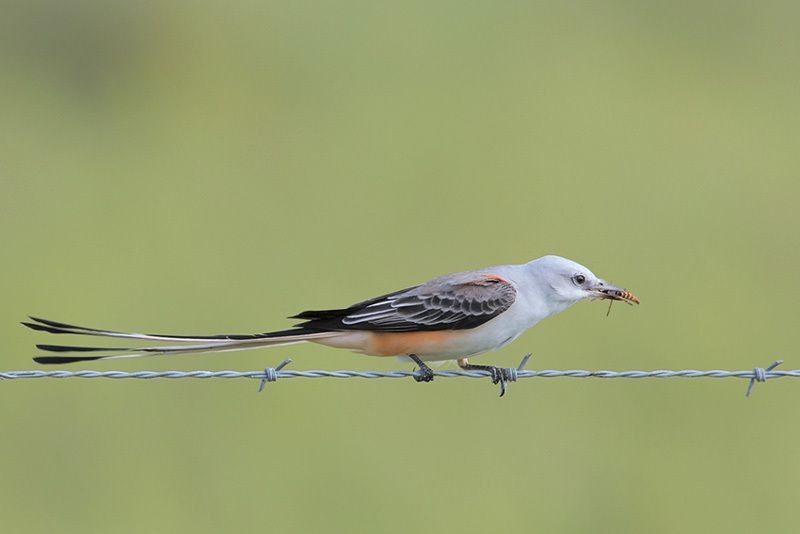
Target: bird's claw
point(500, 375)
point(425, 374)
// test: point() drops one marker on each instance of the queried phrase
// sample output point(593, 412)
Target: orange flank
point(393, 343)
point(397, 343)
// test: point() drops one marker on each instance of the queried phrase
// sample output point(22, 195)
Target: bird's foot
point(502, 376)
point(425, 373)
point(499, 375)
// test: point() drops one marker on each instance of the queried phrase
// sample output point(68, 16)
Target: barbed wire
point(272, 374)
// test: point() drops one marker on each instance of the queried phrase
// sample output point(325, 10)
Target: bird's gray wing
point(452, 302)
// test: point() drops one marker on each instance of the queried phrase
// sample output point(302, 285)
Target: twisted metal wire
point(272, 374)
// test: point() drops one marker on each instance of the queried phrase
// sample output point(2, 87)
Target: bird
point(453, 317)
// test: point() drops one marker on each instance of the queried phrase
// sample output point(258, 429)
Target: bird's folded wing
point(452, 302)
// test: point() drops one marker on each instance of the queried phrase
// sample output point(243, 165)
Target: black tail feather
point(55, 327)
point(68, 348)
point(65, 359)
point(66, 326)
point(215, 343)
point(50, 329)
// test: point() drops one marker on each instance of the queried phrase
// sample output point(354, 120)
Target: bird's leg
point(425, 373)
point(500, 375)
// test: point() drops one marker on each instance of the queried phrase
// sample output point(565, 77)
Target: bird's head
point(569, 282)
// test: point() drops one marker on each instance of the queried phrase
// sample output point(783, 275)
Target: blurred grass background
point(199, 167)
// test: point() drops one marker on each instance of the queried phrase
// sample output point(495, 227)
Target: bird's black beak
point(604, 290)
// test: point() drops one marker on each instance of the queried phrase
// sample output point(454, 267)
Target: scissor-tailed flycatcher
point(451, 317)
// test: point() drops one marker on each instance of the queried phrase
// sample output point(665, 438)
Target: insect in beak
point(612, 293)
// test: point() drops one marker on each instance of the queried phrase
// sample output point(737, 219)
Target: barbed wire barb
point(760, 375)
point(271, 374)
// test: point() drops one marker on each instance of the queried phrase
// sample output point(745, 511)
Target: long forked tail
point(192, 344)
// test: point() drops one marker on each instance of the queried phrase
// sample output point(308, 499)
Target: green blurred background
point(199, 167)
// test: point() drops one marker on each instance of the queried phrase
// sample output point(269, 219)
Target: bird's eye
point(579, 279)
